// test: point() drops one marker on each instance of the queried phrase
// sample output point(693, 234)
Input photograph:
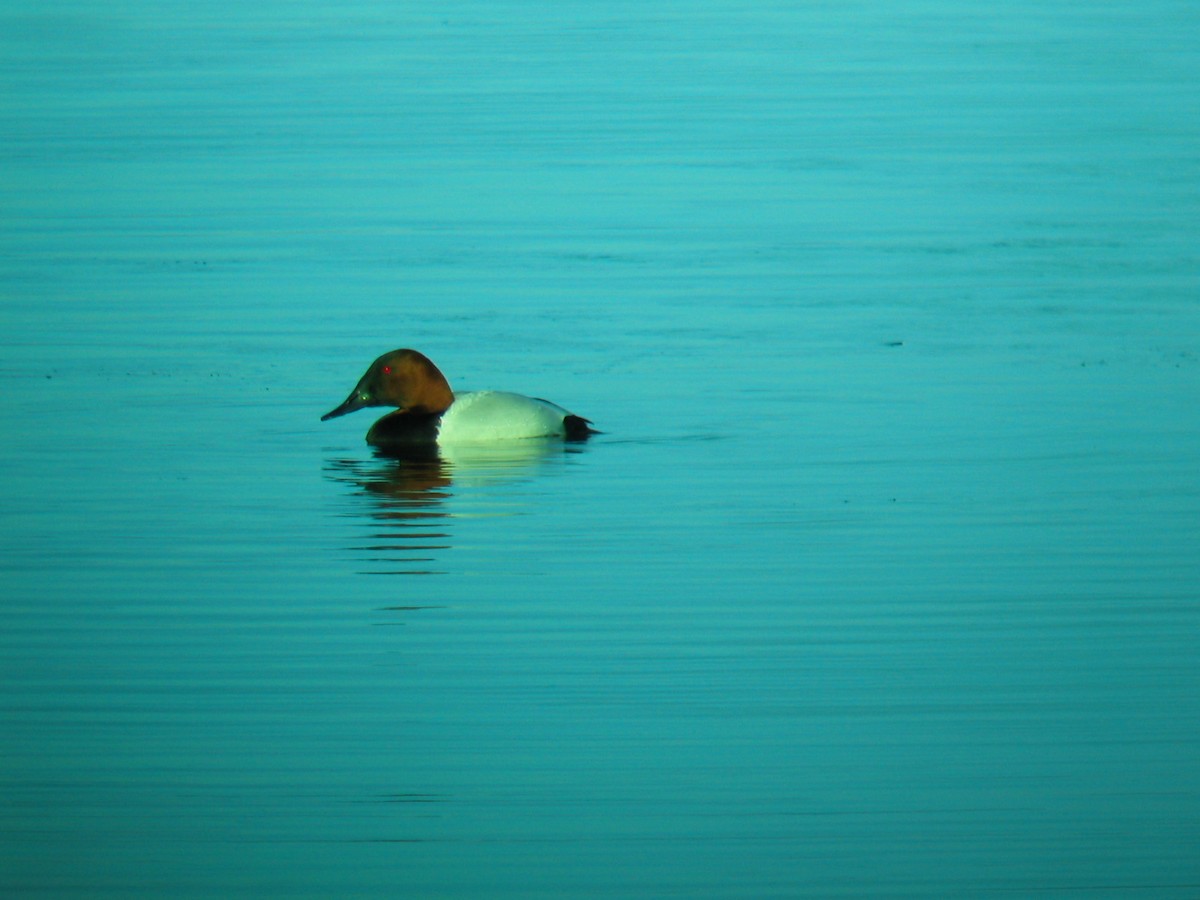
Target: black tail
point(578, 428)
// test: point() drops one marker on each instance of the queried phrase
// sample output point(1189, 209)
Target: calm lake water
point(882, 581)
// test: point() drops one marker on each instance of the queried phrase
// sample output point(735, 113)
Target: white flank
point(481, 417)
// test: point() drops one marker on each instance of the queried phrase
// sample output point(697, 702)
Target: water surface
point(881, 581)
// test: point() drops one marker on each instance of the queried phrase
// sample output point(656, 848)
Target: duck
point(430, 413)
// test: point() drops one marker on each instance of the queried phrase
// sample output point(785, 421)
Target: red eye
point(387, 370)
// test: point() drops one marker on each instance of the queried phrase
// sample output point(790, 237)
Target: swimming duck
point(429, 412)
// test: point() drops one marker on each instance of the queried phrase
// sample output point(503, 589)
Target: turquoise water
point(882, 580)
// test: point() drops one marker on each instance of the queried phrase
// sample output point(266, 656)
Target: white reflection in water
point(408, 500)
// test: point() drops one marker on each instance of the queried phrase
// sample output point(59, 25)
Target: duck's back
point(486, 416)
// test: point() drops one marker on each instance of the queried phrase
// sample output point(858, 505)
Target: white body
point(481, 417)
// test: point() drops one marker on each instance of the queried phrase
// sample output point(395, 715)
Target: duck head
point(402, 378)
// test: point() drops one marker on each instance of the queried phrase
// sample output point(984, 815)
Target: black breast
point(405, 429)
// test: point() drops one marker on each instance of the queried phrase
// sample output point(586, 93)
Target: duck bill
point(353, 402)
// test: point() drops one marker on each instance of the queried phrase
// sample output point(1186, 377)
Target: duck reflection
point(404, 511)
point(408, 499)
